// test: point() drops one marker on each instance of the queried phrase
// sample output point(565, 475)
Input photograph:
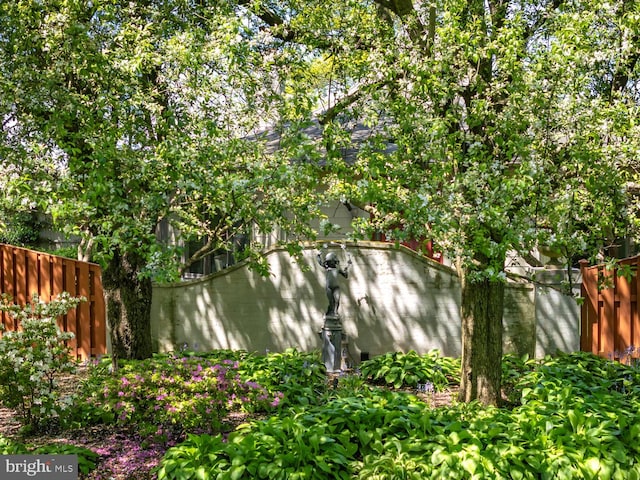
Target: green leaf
point(237, 472)
point(364, 436)
point(470, 465)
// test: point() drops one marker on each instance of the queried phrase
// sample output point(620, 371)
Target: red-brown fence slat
point(32, 283)
point(20, 276)
point(8, 284)
point(590, 335)
point(71, 318)
point(99, 346)
point(635, 311)
point(84, 328)
point(585, 321)
point(608, 320)
point(57, 275)
point(45, 266)
point(623, 314)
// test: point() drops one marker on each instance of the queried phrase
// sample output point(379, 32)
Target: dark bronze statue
point(331, 264)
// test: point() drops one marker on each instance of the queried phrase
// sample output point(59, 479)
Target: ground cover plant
point(571, 416)
point(411, 369)
point(578, 418)
point(86, 457)
point(148, 406)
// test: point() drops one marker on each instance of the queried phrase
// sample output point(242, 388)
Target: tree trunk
point(481, 311)
point(128, 298)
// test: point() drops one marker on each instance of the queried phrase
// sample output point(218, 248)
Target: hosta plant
point(578, 419)
point(300, 376)
point(410, 369)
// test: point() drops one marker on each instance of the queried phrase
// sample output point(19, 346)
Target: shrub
point(20, 228)
point(32, 357)
point(410, 369)
point(191, 393)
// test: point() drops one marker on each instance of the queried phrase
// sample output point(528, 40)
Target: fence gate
point(610, 321)
point(25, 272)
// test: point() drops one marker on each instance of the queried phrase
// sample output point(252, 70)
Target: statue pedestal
point(334, 342)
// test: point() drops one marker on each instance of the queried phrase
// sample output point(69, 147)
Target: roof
point(360, 136)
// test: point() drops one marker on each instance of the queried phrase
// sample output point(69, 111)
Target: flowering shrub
point(31, 358)
point(191, 393)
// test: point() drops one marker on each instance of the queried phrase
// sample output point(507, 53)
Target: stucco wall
point(557, 315)
point(394, 300)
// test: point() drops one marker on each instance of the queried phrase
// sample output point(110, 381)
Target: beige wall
point(394, 300)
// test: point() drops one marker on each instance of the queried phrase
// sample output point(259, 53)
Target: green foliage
point(86, 457)
point(410, 369)
point(66, 252)
point(32, 357)
point(145, 119)
point(513, 369)
point(186, 393)
point(20, 228)
point(10, 447)
point(300, 376)
point(578, 419)
point(350, 385)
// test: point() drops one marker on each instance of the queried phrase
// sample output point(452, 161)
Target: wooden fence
point(610, 320)
point(25, 272)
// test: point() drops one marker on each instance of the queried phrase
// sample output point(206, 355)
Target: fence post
point(608, 319)
point(623, 318)
point(590, 312)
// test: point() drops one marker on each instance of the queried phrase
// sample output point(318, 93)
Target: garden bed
point(575, 416)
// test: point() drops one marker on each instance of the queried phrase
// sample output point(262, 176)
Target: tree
point(495, 126)
point(512, 124)
point(118, 115)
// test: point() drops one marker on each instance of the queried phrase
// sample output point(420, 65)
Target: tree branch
point(332, 112)
point(404, 10)
point(280, 29)
point(399, 7)
point(542, 18)
point(621, 76)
